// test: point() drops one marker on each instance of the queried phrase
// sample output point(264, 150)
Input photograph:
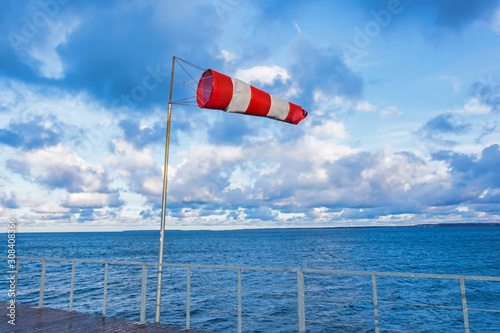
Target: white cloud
point(263, 75)
point(204, 173)
point(92, 200)
point(495, 24)
point(256, 173)
point(228, 57)
point(138, 168)
point(297, 27)
point(127, 160)
point(45, 53)
point(475, 106)
point(152, 185)
point(390, 112)
point(329, 129)
point(77, 110)
point(50, 208)
point(292, 91)
point(326, 173)
point(58, 167)
point(335, 105)
point(454, 81)
point(55, 181)
point(364, 106)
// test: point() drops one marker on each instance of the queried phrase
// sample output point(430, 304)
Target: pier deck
point(47, 320)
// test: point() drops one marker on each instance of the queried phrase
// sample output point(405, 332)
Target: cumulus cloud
point(141, 136)
point(331, 130)
point(57, 167)
point(7, 201)
point(265, 180)
point(261, 213)
point(486, 96)
point(89, 43)
point(138, 168)
point(364, 106)
point(44, 53)
point(36, 133)
point(50, 208)
point(263, 75)
point(316, 69)
point(203, 176)
point(476, 176)
point(231, 129)
point(355, 180)
point(92, 200)
point(476, 106)
point(334, 106)
point(443, 125)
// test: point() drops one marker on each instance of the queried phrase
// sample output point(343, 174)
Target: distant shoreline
point(427, 225)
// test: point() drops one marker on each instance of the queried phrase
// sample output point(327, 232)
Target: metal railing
point(299, 293)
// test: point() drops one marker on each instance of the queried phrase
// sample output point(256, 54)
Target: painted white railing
point(299, 293)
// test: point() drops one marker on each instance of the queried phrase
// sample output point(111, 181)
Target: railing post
point(105, 290)
point(42, 284)
point(301, 301)
point(375, 304)
point(143, 292)
point(72, 286)
point(188, 298)
point(464, 305)
point(239, 300)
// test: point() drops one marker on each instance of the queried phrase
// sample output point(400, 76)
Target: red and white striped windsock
point(221, 92)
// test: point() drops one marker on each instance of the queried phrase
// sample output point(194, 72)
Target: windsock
point(221, 92)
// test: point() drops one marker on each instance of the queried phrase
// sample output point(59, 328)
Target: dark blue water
point(459, 251)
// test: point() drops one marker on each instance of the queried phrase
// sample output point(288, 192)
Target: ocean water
point(343, 300)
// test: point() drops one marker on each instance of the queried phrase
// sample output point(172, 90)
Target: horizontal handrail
point(275, 269)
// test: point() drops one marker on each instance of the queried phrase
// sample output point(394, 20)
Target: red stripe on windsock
point(260, 103)
point(215, 90)
point(295, 115)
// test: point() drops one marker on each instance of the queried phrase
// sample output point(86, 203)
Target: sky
point(403, 127)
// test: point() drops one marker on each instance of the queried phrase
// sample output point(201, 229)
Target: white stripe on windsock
point(241, 97)
point(279, 108)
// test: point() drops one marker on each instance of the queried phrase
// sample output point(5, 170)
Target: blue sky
point(403, 100)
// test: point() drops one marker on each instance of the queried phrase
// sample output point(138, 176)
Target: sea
point(333, 302)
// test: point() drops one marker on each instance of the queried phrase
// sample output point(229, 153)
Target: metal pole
point(42, 284)
point(105, 290)
point(301, 301)
point(163, 202)
point(239, 300)
point(72, 291)
point(464, 306)
point(188, 298)
point(375, 304)
point(144, 289)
